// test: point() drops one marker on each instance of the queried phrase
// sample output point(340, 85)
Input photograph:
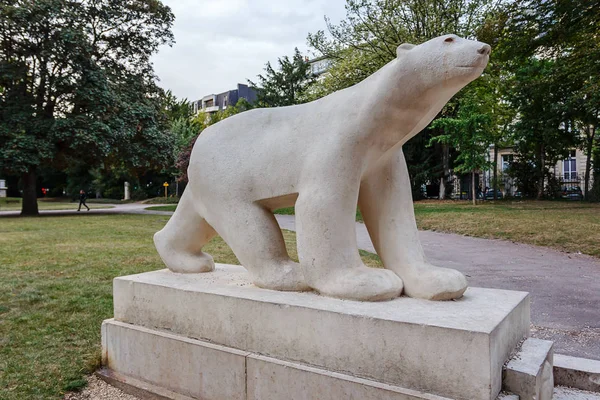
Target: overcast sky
point(220, 43)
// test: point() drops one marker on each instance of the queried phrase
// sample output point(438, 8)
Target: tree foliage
point(552, 49)
point(78, 86)
point(367, 39)
point(285, 86)
point(469, 132)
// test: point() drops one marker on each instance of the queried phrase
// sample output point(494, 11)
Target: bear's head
point(447, 61)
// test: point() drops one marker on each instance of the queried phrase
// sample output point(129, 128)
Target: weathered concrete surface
point(196, 369)
point(271, 379)
point(528, 373)
point(564, 288)
point(577, 372)
point(454, 348)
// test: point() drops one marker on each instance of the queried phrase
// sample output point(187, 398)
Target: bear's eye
point(449, 39)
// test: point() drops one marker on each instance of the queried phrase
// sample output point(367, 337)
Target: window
point(224, 102)
point(570, 167)
point(318, 67)
point(507, 160)
point(209, 103)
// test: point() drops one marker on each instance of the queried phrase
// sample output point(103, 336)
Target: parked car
point(489, 195)
point(572, 193)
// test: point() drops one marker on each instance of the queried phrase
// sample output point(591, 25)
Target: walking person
point(82, 197)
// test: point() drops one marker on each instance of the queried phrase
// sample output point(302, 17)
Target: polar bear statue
point(325, 157)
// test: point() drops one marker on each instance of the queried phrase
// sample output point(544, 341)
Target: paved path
point(565, 288)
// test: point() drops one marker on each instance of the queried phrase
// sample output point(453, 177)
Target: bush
point(594, 193)
point(139, 194)
point(162, 200)
point(114, 192)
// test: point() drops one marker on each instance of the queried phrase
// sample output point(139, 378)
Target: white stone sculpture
point(325, 157)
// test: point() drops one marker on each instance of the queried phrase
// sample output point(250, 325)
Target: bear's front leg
point(327, 249)
point(386, 204)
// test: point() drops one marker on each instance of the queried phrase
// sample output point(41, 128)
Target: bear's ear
point(403, 48)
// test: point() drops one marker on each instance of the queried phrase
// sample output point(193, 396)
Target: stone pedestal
point(216, 336)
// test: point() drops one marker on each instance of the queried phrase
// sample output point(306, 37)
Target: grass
point(14, 204)
point(56, 288)
point(162, 208)
point(162, 200)
point(567, 226)
point(563, 225)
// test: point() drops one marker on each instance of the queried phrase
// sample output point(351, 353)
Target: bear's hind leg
point(254, 236)
point(180, 242)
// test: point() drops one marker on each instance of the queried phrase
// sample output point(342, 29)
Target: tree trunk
point(445, 163)
point(591, 131)
point(29, 205)
point(495, 185)
point(473, 191)
point(542, 160)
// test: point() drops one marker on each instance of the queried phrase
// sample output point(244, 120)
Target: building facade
point(319, 66)
point(212, 103)
point(570, 172)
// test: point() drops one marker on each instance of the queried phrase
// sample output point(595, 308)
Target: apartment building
point(217, 102)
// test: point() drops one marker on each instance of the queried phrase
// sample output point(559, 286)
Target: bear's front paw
point(434, 283)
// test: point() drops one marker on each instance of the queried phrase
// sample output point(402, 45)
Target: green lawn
point(563, 225)
point(163, 208)
point(56, 288)
point(14, 204)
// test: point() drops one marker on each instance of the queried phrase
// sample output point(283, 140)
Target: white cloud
point(220, 43)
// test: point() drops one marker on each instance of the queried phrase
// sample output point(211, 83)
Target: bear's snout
point(485, 50)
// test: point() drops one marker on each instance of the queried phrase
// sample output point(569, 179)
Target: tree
point(79, 86)
point(367, 39)
point(566, 33)
point(469, 133)
point(543, 131)
point(286, 86)
point(176, 108)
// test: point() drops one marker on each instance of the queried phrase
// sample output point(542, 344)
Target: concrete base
point(261, 344)
point(159, 366)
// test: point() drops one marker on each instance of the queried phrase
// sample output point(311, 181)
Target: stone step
point(575, 372)
point(158, 365)
point(528, 373)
